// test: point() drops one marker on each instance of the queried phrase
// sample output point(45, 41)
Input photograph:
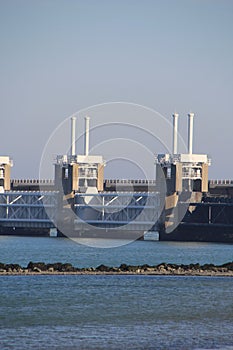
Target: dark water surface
point(114, 312)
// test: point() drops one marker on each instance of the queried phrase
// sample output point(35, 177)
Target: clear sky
point(59, 56)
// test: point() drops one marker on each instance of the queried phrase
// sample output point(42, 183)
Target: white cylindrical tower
point(73, 139)
point(190, 133)
point(175, 133)
point(87, 129)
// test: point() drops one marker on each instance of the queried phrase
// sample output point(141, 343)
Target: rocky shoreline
point(40, 268)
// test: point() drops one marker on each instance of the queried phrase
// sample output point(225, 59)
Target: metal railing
point(221, 182)
point(129, 181)
point(32, 181)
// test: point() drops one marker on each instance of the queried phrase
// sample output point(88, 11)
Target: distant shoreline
point(163, 269)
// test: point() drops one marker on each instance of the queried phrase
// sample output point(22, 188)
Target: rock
point(36, 269)
point(67, 267)
point(173, 266)
point(170, 268)
point(161, 269)
point(180, 271)
point(90, 269)
point(229, 266)
point(131, 268)
point(31, 265)
point(151, 269)
point(57, 266)
point(185, 267)
point(102, 268)
point(12, 267)
point(115, 269)
point(194, 266)
point(40, 265)
point(2, 266)
point(123, 267)
point(208, 267)
point(144, 267)
point(17, 267)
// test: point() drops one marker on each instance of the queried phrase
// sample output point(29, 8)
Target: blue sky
point(58, 57)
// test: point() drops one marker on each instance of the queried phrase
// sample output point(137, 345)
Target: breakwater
point(40, 268)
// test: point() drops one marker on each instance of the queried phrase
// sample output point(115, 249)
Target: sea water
point(114, 312)
point(21, 250)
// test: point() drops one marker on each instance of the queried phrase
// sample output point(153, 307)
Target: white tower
point(175, 133)
point(73, 139)
point(190, 132)
point(87, 129)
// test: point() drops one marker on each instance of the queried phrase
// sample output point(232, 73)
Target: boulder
point(36, 269)
point(103, 268)
point(40, 265)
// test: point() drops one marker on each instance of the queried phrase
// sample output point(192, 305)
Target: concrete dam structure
point(180, 203)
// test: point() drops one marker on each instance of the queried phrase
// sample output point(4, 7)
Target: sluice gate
point(129, 211)
point(31, 209)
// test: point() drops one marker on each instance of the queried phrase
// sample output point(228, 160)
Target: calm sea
point(114, 312)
